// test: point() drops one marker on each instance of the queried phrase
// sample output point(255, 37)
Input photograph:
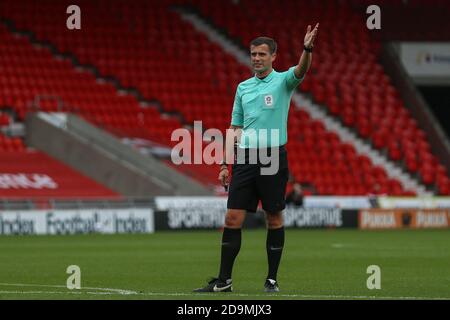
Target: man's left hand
point(311, 36)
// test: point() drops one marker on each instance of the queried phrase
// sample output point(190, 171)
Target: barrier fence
point(208, 213)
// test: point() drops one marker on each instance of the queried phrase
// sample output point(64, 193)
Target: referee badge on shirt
point(268, 100)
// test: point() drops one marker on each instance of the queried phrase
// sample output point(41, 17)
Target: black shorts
point(248, 186)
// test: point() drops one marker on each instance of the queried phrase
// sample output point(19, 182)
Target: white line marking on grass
point(107, 290)
point(37, 292)
point(60, 292)
point(292, 296)
point(111, 291)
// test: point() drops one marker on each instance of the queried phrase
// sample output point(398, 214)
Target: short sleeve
point(237, 116)
point(291, 80)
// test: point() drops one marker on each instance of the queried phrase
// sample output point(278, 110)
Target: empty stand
point(147, 46)
point(345, 76)
point(29, 73)
point(8, 144)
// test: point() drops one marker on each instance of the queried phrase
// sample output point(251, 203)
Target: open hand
point(311, 36)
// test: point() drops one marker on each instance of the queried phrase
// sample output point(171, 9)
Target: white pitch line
point(58, 292)
point(110, 291)
point(232, 295)
point(118, 291)
point(37, 292)
point(295, 296)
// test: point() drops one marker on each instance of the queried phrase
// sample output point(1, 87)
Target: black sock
point(274, 246)
point(231, 244)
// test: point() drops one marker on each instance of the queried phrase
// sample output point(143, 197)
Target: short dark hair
point(265, 40)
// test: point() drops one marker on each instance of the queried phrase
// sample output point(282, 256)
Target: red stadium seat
point(149, 53)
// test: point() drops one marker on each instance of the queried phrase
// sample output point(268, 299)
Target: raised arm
point(305, 60)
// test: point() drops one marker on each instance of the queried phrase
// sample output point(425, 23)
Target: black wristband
point(307, 49)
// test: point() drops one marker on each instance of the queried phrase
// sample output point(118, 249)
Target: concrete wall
point(104, 158)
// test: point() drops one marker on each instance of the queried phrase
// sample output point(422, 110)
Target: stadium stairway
point(305, 103)
point(119, 46)
point(346, 173)
point(110, 102)
point(392, 139)
point(92, 98)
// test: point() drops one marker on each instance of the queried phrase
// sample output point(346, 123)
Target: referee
point(261, 106)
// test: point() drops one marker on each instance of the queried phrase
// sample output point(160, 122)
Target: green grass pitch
point(316, 264)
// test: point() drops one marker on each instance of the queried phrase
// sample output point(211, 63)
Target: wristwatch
point(307, 49)
point(222, 164)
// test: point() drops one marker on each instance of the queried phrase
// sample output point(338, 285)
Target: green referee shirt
point(261, 107)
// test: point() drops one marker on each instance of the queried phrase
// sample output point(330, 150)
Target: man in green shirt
point(260, 115)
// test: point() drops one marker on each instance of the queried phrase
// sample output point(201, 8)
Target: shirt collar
point(267, 78)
